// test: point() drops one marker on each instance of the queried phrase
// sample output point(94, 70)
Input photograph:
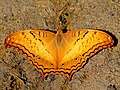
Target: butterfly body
point(58, 53)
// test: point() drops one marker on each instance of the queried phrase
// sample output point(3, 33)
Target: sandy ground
point(102, 72)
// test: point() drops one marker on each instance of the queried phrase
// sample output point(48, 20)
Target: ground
point(102, 72)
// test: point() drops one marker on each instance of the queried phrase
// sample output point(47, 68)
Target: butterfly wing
point(81, 45)
point(37, 45)
point(50, 57)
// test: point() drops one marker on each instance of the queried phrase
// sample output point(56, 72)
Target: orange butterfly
point(58, 53)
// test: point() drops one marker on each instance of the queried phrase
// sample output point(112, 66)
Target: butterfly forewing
point(86, 42)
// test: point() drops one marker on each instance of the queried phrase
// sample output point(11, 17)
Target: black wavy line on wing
point(71, 66)
point(24, 52)
point(60, 68)
point(21, 49)
point(33, 62)
point(95, 48)
point(52, 68)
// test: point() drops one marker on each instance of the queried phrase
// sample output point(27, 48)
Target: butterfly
point(59, 52)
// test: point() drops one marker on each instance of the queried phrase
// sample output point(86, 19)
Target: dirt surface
point(102, 72)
